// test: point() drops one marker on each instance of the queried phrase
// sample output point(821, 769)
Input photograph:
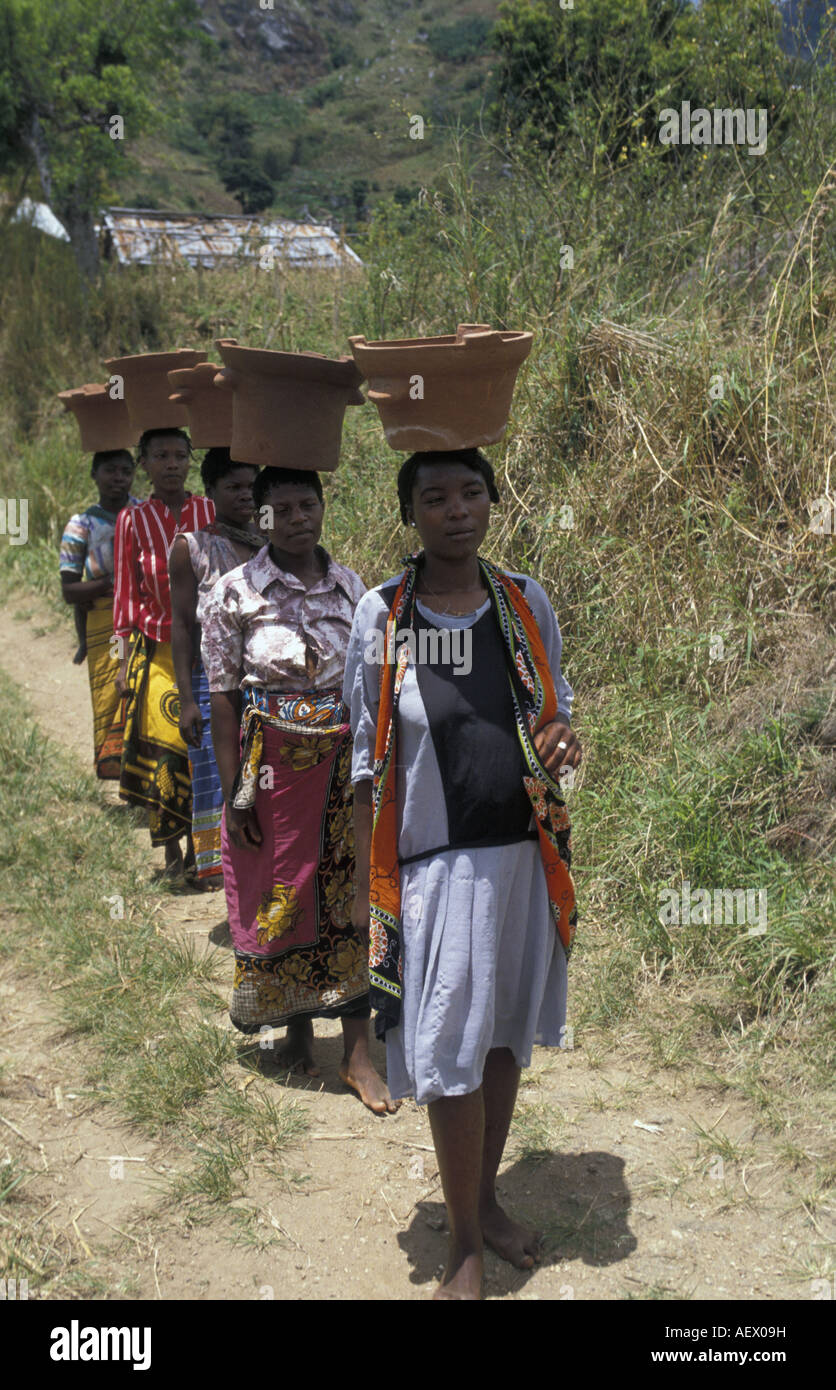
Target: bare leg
point(296, 1051)
point(189, 863)
point(500, 1080)
point(173, 858)
point(458, 1127)
point(357, 1071)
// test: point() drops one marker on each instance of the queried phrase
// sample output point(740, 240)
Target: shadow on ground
point(328, 1053)
point(578, 1202)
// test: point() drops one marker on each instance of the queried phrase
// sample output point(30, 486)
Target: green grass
point(537, 1129)
point(145, 1008)
point(687, 520)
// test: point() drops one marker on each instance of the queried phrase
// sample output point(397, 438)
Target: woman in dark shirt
point(462, 838)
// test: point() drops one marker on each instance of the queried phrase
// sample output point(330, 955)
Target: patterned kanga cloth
point(289, 901)
point(108, 704)
point(207, 792)
point(155, 767)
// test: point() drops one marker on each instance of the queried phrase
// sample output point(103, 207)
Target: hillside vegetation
point(666, 474)
point(307, 106)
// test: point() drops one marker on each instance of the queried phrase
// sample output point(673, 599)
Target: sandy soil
point(627, 1210)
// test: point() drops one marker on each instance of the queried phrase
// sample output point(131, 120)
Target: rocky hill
point(305, 107)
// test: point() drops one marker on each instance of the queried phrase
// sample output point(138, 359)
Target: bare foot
point(296, 1052)
point(173, 870)
point(512, 1242)
point(173, 853)
point(361, 1076)
point(462, 1278)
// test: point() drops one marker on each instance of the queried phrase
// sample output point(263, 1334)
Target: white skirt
point(483, 967)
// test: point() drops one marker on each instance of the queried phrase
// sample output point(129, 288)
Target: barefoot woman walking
point(463, 880)
point(274, 639)
point(155, 766)
point(196, 561)
point(87, 581)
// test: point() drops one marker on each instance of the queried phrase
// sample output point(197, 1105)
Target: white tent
point(41, 216)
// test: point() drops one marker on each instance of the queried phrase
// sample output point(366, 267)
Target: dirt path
point(629, 1210)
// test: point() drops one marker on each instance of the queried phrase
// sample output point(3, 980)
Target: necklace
point(238, 534)
point(454, 612)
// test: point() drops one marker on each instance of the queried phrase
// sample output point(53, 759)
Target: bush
point(326, 89)
point(248, 183)
point(277, 161)
point(456, 43)
point(341, 51)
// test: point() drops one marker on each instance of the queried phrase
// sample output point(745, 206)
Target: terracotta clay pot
point(450, 392)
point(103, 423)
point(210, 410)
point(146, 387)
point(288, 407)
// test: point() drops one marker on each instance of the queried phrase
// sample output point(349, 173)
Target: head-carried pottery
point(449, 392)
point(287, 407)
point(103, 422)
point(209, 409)
point(146, 387)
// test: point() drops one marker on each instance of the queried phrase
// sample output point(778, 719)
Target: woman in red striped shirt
point(155, 766)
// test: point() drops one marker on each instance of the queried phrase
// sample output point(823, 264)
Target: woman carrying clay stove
point(86, 567)
point(463, 883)
point(155, 765)
point(196, 561)
point(275, 634)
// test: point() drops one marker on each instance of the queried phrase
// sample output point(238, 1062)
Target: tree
point(76, 85)
point(594, 67)
point(228, 129)
point(602, 70)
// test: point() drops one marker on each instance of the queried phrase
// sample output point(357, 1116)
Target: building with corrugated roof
point(143, 236)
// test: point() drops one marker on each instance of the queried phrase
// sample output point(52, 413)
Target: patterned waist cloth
point(290, 900)
point(319, 712)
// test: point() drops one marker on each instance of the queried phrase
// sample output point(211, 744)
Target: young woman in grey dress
point(482, 967)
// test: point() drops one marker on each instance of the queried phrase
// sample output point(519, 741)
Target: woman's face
point(295, 517)
point(113, 478)
point(451, 509)
point(233, 495)
point(166, 461)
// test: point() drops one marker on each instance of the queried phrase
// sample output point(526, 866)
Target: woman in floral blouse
point(275, 634)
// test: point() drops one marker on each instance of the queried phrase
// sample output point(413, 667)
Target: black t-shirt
point(473, 729)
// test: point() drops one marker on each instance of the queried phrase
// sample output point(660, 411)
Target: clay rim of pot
point(103, 420)
point(473, 347)
point(156, 361)
point(90, 391)
point(439, 340)
point(303, 366)
point(184, 381)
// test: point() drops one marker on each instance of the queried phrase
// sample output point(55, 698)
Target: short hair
point(217, 462)
point(271, 477)
point(107, 455)
point(471, 458)
point(148, 435)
